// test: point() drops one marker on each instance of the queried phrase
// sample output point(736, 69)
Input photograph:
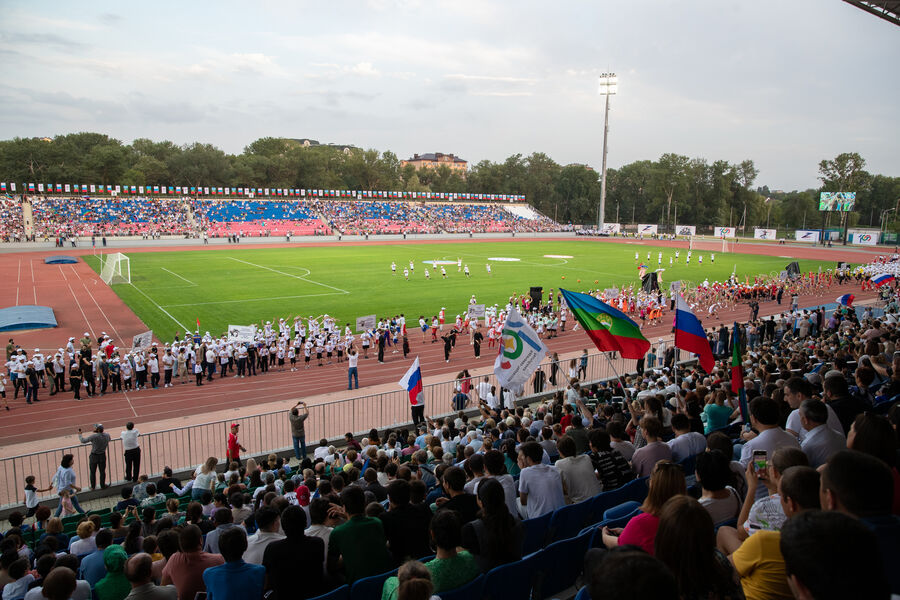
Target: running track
point(83, 303)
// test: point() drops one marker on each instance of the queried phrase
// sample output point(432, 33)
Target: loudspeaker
point(537, 294)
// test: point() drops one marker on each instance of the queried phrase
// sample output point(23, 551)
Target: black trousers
point(97, 462)
point(89, 377)
point(418, 414)
point(61, 382)
point(132, 464)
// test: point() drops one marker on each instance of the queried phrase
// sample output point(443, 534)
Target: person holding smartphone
point(764, 417)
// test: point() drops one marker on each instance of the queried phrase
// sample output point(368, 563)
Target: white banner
point(763, 234)
point(863, 238)
point(476, 311)
point(241, 334)
point(142, 341)
point(610, 228)
point(521, 352)
point(724, 232)
point(807, 235)
point(646, 229)
point(686, 230)
point(611, 293)
point(365, 323)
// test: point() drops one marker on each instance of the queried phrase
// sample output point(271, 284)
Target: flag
point(521, 352)
point(608, 328)
point(737, 372)
point(412, 381)
point(846, 300)
point(689, 334)
point(198, 324)
point(883, 278)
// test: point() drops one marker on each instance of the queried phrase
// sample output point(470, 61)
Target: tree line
point(673, 189)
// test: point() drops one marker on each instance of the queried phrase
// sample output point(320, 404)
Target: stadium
point(426, 378)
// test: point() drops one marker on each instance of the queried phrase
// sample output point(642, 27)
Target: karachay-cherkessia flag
point(608, 328)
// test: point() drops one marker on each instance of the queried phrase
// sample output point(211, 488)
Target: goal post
point(116, 269)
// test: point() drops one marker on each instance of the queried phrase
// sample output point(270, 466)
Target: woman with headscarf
point(114, 586)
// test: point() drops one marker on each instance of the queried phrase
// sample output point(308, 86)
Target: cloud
point(493, 78)
point(111, 19)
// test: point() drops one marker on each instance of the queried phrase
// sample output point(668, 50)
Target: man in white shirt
point(267, 519)
point(821, 442)
point(484, 388)
point(796, 391)
point(764, 413)
point(540, 485)
point(686, 443)
point(132, 452)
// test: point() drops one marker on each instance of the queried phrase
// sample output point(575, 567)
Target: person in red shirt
point(234, 447)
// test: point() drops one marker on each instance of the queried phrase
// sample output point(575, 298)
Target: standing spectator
point(99, 442)
point(185, 568)
point(298, 429)
point(356, 549)
point(540, 485)
point(236, 579)
point(114, 586)
point(297, 558)
point(64, 480)
point(352, 371)
point(132, 452)
point(234, 448)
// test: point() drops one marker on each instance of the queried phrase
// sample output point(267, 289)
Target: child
point(31, 496)
point(3, 390)
point(66, 503)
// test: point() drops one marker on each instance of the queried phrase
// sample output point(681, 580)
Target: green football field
point(169, 291)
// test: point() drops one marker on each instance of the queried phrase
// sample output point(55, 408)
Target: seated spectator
point(7, 558)
point(655, 449)
point(184, 569)
point(268, 522)
point(820, 442)
point(666, 480)
point(66, 562)
point(450, 568)
point(686, 443)
point(21, 579)
point(540, 485)
point(721, 442)
point(321, 523)
point(55, 530)
point(874, 435)
point(685, 542)
point(164, 485)
point(236, 579)
point(114, 585)
point(153, 498)
point(356, 548)
point(85, 543)
point(576, 472)
point(116, 525)
point(718, 498)
point(92, 568)
point(832, 555)
point(619, 440)
point(239, 512)
point(413, 581)
point(454, 482)
point(837, 396)
point(758, 560)
point(718, 414)
point(43, 565)
point(194, 516)
point(168, 545)
point(134, 540)
point(765, 415)
point(861, 485)
point(60, 584)
point(796, 391)
point(127, 500)
point(138, 573)
point(405, 524)
point(495, 537)
point(223, 521)
point(296, 558)
point(495, 468)
point(627, 574)
point(612, 468)
point(766, 513)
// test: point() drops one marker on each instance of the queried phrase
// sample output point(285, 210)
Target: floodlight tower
point(609, 85)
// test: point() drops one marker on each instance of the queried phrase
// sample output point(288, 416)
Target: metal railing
point(183, 448)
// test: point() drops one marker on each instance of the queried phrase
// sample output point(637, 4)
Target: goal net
point(116, 269)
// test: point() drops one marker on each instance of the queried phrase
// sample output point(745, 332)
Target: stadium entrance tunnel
point(60, 259)
point(15, 318)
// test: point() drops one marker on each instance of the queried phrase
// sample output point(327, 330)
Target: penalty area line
point(167, 313)
point(178, 276)
point(254, 300)
point(300, 277)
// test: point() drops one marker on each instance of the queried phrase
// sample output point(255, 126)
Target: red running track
point(82, 302)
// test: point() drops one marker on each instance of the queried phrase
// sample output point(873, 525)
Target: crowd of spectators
point(56, 217)
point(11, 225)
point(802, 500)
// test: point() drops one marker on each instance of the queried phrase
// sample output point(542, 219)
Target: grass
point(238, 286)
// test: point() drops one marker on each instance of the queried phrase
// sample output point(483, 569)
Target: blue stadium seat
point(583, 594)
point(616, 512)
point(561, 565)
point(341, 593)
point(567, 521)
point(370, 587)
point(512, 581)
point(466, 592)
point(536, 532)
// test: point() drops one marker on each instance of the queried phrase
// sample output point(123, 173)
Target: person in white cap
point(37, 359)
point(59, 371)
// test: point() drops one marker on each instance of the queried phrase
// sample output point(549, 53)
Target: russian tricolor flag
point(846, 300)
point(880, 280)
point(412, 381)
point(689, 334)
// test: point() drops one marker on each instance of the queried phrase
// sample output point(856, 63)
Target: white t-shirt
point(793, 422)
point(129, 439)
point(687, 445)
point(352, 360)
point(543, 485)
point(577, 473)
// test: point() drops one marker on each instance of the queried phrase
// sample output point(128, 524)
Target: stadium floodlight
point(609, 85)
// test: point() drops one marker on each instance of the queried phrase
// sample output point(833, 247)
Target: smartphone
point(760, 462)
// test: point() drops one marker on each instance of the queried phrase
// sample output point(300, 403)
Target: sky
point(785, 84)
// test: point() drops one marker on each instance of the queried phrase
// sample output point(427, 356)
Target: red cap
point(235, 424)
point(303, 495)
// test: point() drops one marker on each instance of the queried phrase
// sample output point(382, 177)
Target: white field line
point(102, 312)
point(301, 278)
point(86, 320)
point(168, 314)
point(253, 300)
point(178, 276)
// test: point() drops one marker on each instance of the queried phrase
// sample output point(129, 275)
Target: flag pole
point(613, 367)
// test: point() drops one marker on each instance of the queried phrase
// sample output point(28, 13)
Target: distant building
point(308, 143)
point(437, 159)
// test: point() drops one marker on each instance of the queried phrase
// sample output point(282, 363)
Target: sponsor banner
point(142, 341)
point(365, 323)
point(685, 230)
point(863, 238)
point(521, 352)
point(476, 311)
point(241, 334)
point(763, 234)
point(807, 235)
point(724, 232)
point(611, 228)
point(645, 229)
